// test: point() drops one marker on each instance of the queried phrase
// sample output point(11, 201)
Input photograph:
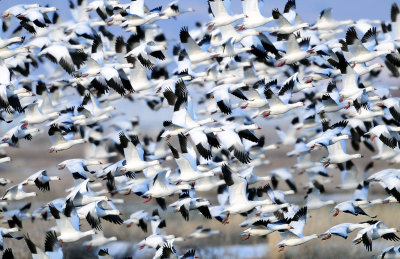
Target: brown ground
point(32, 156)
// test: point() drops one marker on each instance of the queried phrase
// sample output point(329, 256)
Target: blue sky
point(308, 9)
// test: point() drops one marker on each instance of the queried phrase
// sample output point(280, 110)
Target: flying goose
point(68, 223)
point(59, 142)
point(238, 201)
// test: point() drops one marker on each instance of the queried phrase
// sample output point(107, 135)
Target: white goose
point(41, 180)
point(337, 154)
point(284, 26)
point(361, 54)
point(294, 52)
point(161, 187)
point(59, 142)
point(195, 53)
point(238, 202)
point(221, 15)
point(343, 229)
point(16, 193)
point(326, 22)
point(34, 116)
point(294, 237)
point(277, 106)
point(133, 153)
point(253, 18)
point(68, 223)
point(373, 232)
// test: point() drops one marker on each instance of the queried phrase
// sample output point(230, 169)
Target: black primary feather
point(50, 241)
point(184, 212)
point(351, 36)
point(94, 222)
point(227, 174)
point(205, 211)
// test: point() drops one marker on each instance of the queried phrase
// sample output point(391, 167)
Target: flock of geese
point(80, 81)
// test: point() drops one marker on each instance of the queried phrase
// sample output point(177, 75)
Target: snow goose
point(228, 31)
point(187, 202)
point(230, 140)
point(253, 18)
point(140, 219)
point(206, 184)
point(195, 53)
point(78, 166)
point(221, 15)
point(187, 163)
point(16, 193)
point(294, 237)
point(326, 22)
point(144, 51)
point(160, 187)
point(349, 207)
point(137, 17)
point(294, 52)
point(263, 228)
point(389, 252)
point(373, 232)
point(15, 10)
point(278, 105)
point(238, 201)
point(133, 153)
point(361, 54)
point(18, 132)
point(277, 222)
point(337, 154)
point(228, 50)
point(221, 95)
point(67, 59)
point(204, 139)
point(329, 134)
point(68, 223)
point(173, 10)
point(284, 26)
point(37, 16)
point(41, 180)
point(34, 116)
point(97, 210)
point(82, 195)
point(343, 229)
point(386, 134)
point(59, 142)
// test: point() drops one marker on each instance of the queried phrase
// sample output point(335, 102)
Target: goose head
point(61, 166)
point(266, 113)
point(6, 13)
point(51, 149)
